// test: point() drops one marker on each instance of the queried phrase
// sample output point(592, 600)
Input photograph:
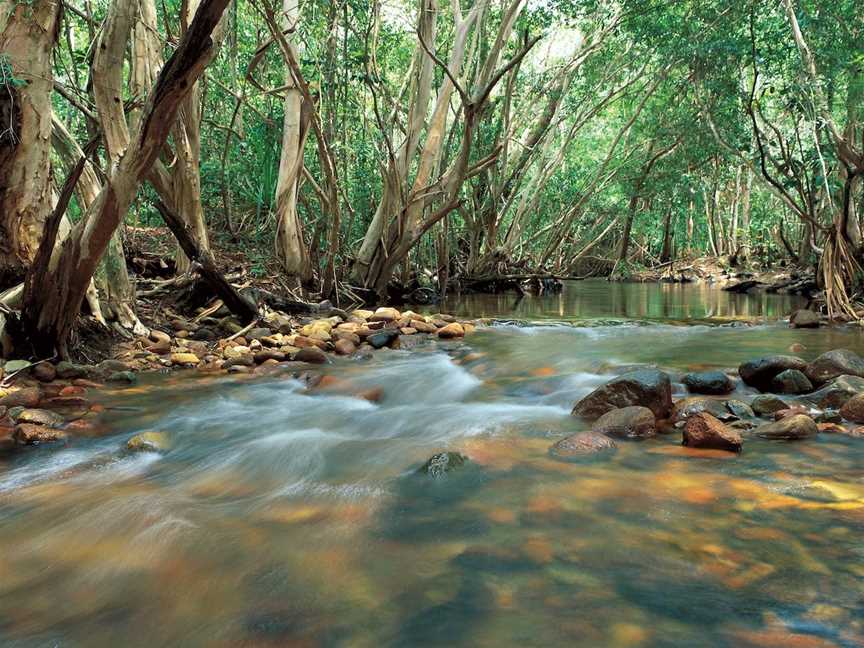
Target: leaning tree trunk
point(27, 35)
point(53, 299)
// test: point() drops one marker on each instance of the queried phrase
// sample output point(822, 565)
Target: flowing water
point(288, 517)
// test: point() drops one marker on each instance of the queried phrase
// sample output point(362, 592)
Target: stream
point(283, 516)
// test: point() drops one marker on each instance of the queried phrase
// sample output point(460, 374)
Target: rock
point(160, 348)
point(149, 442)
point(687, 407)
point(708, 382)
point(452, 330)
point(44, 372)
point(739, 409)
point(789, 429)
point(831, 428)
point(236, 351)
point(649, 388)
point(853, 409)
point(805, 318)
point(24, 397)
point(269, 354)
point(423, 326)
point(39, 417)
point(204, 334)
point(68, 370)
point(31, 434)
point(344, 347)
point(766, 405)
point(828, 416)
point(318, 330)
point(635, 422)
point(184, 359)
point(12, 366)
point(373, 394)
point(839, 362)
point(304, 342)
point(760, 372)
point(346, 335)
point(110, 366)
point(797, 347)
point(388, 338)
point(407, 330)
point(239, 368)
point(837, 392)
point(704, 431)
point(582, 444)
point(247, 360)
point(794, 410)
point(159, 336)
point(443, 462)
point(127, 377)
point(312, 355)
point(791, 381)
point(384, 314)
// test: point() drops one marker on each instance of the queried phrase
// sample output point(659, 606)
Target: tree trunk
point(666, 251)
point(27, 35)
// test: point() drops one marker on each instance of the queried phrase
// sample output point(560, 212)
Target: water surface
point(288, 517)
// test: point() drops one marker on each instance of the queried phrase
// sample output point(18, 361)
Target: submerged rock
point(149, 442)
point(704, 431)
point(581, 445)
point(442, 463)
point(853, 409)
point(708, 382)
point(39, 417)
point(835, 394)
point(791, 428)
point(385, 338)
point(739, 409)
point(649, 388)
point(766, 405)
point(760, 372)
point(833, 364)
point(791, 381)
point(635, 422)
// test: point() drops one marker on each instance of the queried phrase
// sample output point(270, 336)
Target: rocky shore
point(46, 402)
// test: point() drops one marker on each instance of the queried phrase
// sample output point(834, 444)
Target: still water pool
point(287, 517)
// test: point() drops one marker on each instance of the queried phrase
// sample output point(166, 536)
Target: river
point(288, 517)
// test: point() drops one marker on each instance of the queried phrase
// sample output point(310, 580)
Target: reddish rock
point(266, 355)
point(627, 423)
point(794, 410)
point(853, 409)
point(31, 434)
point(344, 347)
point(373, 394)
point(302, 342)
point(582, 444)
point(83, 382)
point(24, 397)
point(72, 390)
point(831, 428)
point(312, 355)
point(704, 431)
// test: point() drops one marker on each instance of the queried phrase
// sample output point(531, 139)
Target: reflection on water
point(284, 517)
point(597, 298)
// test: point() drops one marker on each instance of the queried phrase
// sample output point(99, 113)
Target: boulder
point(12, 366)
point(344, 347)
point(452, 330)
point(423, 326)
point(443, 462)
point(708, 382)
point(304, 342)
point(311, 355)
point(31, 434)
point(69, 370)
point(830, 365)
point(853, 409)
point(739, 409)
point(649, 388)
point(766, 405)
point(39, 417)
point(159, 336)
point(805, 318)
point(582, 444)
point(704, 431)
point(760, 372)
point(791, 381)
point(384, 314)
point(24, 397)
point(635, 422)
point(44, 372)
point(384, 338)
point(837, 392)
point(791, 428)
point(127, 377)
point(149, 442)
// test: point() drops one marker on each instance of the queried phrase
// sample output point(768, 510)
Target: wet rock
point(247, 360)
point(831, 428)
point(649, 388)
point(828, 416)
point(839, 362)
point(373, 394)
point(582, 444)
point(442, 463)
point(44, 372)
point(704, 431)
point(792, 428)
point(69, 370)
point(739, 409)
point(385, 338)
point(31, 434)
point(853, 409)
point(687, 407)
point(791, 381)
point(766, 405)
point(344, 347)
point(407, 330)
point(805, 318)
point(312, 355)
point(184, 359)
point(837, 392)
point(126, 377)
point(384, 314)
point(760, 372)
point(39, 417)
point(794, 410)
point(635, 422)
point(423, 326)
point(708, 382)
point(149, 442)
point(304, 342)
point(268, 354)
point(110, 366)
point(452, 330)
point(239, 369)
point(24, 397)
point(350, 336)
